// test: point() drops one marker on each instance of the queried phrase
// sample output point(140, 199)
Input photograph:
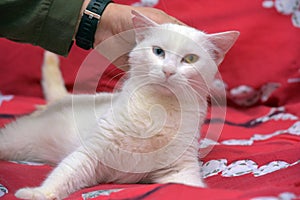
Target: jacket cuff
point(59, 26)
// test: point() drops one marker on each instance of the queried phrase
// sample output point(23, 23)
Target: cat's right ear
point(223, 42)
point(140, 24)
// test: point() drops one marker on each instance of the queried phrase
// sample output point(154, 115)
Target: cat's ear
point(223, 42)
point(140, 23)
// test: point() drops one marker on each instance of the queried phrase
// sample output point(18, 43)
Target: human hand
point(117, 18)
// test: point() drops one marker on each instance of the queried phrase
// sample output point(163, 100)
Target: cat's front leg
point(76, 171)
point(188, 175)
point(186, 179)
point(35, 193)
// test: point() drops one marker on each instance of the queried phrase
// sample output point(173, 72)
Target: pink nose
point(169, 71)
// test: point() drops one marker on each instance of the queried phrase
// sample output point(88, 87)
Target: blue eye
point(158, 51)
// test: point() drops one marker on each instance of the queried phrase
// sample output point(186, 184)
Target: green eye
point(191, 58)
point(158, 51)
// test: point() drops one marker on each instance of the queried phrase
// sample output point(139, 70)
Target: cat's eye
point(158, 51)
point(191, 58)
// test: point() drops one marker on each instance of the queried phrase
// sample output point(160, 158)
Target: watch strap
point(85, 35)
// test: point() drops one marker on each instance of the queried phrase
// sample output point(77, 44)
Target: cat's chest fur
point(145, 131)
point(145, 121)
point(153, 122)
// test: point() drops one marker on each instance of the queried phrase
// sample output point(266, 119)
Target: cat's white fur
point(52, 79)
point(148, 132)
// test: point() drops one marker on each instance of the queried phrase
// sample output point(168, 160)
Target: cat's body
point(148, 132)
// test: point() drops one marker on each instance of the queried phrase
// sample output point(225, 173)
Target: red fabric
point(267, 51)
point(283, 147)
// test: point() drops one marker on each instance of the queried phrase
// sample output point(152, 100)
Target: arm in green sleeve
point(49, 24)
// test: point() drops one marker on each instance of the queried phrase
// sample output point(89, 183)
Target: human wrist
point(104, 27)
point(83, 7)
point(91, 15)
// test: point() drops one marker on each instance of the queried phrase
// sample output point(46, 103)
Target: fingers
point(157, 15)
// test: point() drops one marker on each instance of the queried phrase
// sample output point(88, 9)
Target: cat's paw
point(196, 184)
point(35, 194)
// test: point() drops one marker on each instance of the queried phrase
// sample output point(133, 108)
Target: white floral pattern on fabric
point(213, 167)
point(242, 167)
point(5, 98)
point(146, 3)
point(3, 190)
point(98, 193)
point(295, 129)
point(244, 95)
point(206, 142)
point(294, 80)
point(281, 196)
point(275, 114)
point(292, 130)
point(239, 168)
point(286, 7)
point(296, 18)
point(271, 167)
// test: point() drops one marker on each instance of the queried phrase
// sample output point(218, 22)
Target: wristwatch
point(85, 35)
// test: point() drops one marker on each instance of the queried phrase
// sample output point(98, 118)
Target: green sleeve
point(49, 24)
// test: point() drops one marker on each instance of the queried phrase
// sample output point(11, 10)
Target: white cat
point(146, 133)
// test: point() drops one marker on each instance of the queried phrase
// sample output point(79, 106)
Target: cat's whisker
point(197, 84)
point(197, 93)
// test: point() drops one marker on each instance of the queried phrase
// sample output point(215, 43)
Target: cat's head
point(174, 55)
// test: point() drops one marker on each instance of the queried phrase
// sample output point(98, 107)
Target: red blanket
point(256, 155)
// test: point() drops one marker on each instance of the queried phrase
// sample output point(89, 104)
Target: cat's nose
point(169, 71)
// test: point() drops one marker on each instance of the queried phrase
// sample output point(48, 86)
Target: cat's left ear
point(140, 24)
point(223, 42)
